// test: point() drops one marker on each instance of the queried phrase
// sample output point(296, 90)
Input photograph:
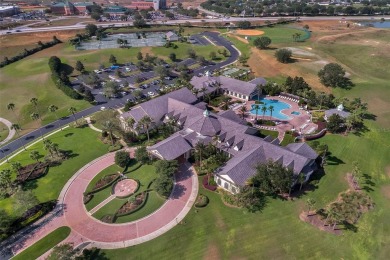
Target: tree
point(273, 178)
point(139, 23)
point(73, 110)
point(112, 59)
point(264, 109)
point(243, 24)
point(243, 111)
point(164, 185)
point(145, 122)
point(92, 254)
point(310, 204)
point(79, 66)
point(166, 168)
point(271, 109)
point(63, 252)
point(17, 129)
point(243, 59)
point(333, 75)
point(141, 154)
point(91, 29)
point(191, 53)
point(24, 200)
point(199, 149)
point(251, 198)
point(34, 155)
point(5, 222)
point(16, 166)
point(88, 96)
point(95, 16)
point(335, 123)
point(54, 64)
point(5, 179)
point(172, 56)
point(122, 158)
point(111, 89)
point(139, 56)
point(161, 71)
point(301, 179)
point(110, 126)
point(226, 102)
point(213, 55)
point(257, 108)
point(53, 109)
point(11, 106)
point(283, 55)
point(35, 117)
point(201, 60)
point(262, 42)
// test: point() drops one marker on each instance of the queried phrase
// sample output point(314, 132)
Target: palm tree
point(53, 109)
point(271, 109)
point(243, 111)
point(264, 109)
point(130, 122)
point(301, 179)
point(34, 155)
point(256, 107)
point(47, 145)
point(196, 92)
point(16, 166)
point(73, 111)
point(11, 106)
point(225, 100)
point(203, 90)
point(200, 147)
point(17, 129)
point(109, 126)
point(310, 204)
point(35, 116)
point(5, 179)
point(146, 122)
point(259, 89)
point(34, 102)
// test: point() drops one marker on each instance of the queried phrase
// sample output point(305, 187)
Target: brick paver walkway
point(86, 229)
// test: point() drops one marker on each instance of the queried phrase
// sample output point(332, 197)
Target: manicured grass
point(264, 133)
point(153, 203)
point(85, 147)
point(144, 175)
point(282, 34)
point(44, 245)
point(4, 131)
point(288, 139)
point(28, 78)
point(277, 232)
point(182, 48)
point(241, 46)
point(105, 193)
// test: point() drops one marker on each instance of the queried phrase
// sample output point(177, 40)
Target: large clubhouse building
point(226, 130)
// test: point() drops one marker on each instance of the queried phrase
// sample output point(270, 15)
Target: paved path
point(88, 119)
point(101, 204)
point(86, 229)
point(11, 132)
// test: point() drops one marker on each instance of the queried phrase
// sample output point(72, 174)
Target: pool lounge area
point(278, 107)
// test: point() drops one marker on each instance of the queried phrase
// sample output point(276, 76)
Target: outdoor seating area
point(293, 99)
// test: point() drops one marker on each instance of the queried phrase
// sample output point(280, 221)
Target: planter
point(201, 201)
point(105, 182)
point(130, 207)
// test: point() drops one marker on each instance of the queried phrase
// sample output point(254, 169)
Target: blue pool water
point(295, 113)
point(278, 107)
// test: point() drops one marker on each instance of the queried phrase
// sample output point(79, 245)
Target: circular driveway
point(105, 235)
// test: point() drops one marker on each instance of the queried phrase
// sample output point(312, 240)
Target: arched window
point(226, 185)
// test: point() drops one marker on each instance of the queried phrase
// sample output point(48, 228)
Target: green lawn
point(264, 133)
point(4, 131)
point(105, 193)
point(288, 139)
point(282, 34)
point(145, 175)
point(277, 232)
point(28, 78)
point(85, 147)
point(182, 48)
point(44, 245)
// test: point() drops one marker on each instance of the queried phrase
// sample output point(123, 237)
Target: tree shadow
point(349, 226)
point(30, 185)
point(369, 116)
point(67, 68)
point(68, 134)
point(368, 183)
point(69, 154)
point(333, 160)
point(178, 191)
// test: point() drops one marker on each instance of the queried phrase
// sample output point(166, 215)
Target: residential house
point(171, 36)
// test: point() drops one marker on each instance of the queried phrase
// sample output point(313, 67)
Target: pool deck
point(301, 122)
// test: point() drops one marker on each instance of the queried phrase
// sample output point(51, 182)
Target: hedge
point(26, 52)
point(65, 88)
point(114, 148)
point(136, 209)
point(134, 167)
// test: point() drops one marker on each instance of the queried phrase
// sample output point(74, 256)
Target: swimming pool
point(278, 107)
point(295, 113)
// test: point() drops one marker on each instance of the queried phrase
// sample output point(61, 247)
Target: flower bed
point(32, 171)
point(212, 186)
point(132, 205)
point(201, 201)
point(87, 198)
point(105, 182)
point(108, 219)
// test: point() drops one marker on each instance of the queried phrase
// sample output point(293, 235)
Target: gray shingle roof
point(302, 149)
point(258, 81)
point(343, 114)
point(172, 147)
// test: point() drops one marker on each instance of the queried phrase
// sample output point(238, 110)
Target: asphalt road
point(25, 29)
point(11, 147)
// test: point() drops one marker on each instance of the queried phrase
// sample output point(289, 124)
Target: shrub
point(114, 148)
point(201, 201)
point(283, 55)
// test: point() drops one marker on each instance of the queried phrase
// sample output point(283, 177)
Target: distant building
point(171, 36)
point(68, 8)
point(339, 111)
point(9, 10)
point(115, 10)
point(147, 4)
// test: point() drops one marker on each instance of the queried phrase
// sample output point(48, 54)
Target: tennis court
point(128, 40)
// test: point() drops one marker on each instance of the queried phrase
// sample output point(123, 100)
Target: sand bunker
point(249, 32)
